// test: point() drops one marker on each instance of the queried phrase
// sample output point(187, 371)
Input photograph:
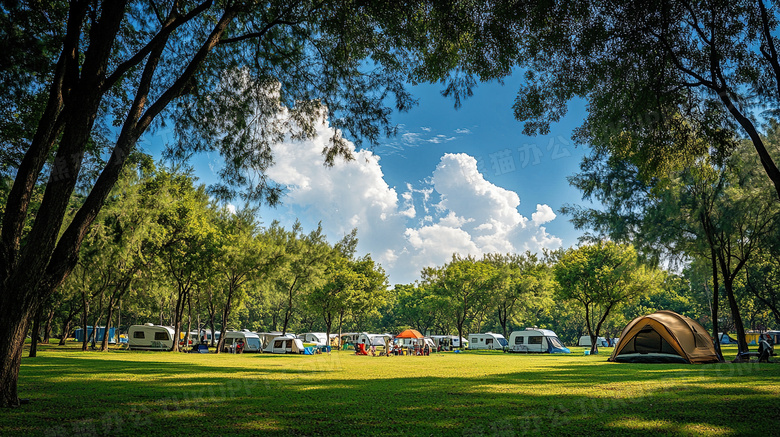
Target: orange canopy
point(410, 333)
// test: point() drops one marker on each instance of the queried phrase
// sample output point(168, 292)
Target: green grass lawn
point(472, 393)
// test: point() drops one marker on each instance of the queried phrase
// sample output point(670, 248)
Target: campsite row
point(663, 336)
point(157, 337)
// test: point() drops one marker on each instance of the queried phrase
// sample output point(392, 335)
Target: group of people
point(396, 349)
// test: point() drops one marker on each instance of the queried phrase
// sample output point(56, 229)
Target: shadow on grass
point(86, 394)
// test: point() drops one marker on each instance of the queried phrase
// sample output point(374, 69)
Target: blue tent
point(101, 331)
point(725, 338)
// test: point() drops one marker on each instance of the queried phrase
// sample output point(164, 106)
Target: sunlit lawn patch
point(470, 393)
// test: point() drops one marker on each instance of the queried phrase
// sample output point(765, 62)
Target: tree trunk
point(590, 329)
point(341, 323)
point(47, 328)
point(177, 315)
point(109, 316)
point(84, 320)
point(96, 323)
point(66, 325)
point(189, 322)
point(13, 326)
point(225, 315)
point(715, 299)
point(728, 282)
point(34, 334)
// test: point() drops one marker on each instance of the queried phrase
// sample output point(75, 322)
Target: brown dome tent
point(664, 337)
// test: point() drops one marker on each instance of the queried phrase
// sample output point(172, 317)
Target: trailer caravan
point(268, 337)
point(284, 345)
point(250, 339)
point(373, 339)
point(536, 341)
point(348, 337)
point(585, 341)
point(488, 340)
point(150, 337)
point(318, 338)
point(449, 342)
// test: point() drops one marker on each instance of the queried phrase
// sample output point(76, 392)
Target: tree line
point(163, 251)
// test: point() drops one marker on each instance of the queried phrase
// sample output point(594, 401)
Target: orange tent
point(410, 333)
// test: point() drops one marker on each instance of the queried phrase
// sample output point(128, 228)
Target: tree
point(185, 243)
point(600, 278)
point(351, 285)
point(94, 76)
point(244, 256)
point(463, 283)
point(642, 68)
point(418, 306)
point(302, 267)
point(520, 282)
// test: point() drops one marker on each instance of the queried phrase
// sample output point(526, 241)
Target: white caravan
point(488, 340)
point(250, 339)
point(150, 337)
point(536, 341)
point(284, 345)
point(349, 337)
point(373, 339)
point(267, 337)
point(318, 338)
point(449, 342)
point(585, 341)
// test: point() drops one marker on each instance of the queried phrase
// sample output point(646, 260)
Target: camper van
point(284, 345)
point(449, 342)
point(585, 341)
point(488, 340)
point(250, 339)
point(150, 337)
point(533, 340)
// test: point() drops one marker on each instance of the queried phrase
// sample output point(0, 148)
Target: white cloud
point(438, 139)
point(543, 215)
point(462, 131)
point(472, 215)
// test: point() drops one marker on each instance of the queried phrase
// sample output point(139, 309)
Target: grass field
point(471, 393)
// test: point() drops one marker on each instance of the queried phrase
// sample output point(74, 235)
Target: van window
point(278, 344)
point(138, 334)
point(536, 339)
point(489, 341)
point(519, 339)
point(161, 336)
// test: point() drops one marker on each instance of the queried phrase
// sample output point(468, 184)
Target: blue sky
point(463, 181)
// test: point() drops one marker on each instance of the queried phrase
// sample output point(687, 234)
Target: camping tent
point(725, 338)
point(664, 337)
point(410, 333)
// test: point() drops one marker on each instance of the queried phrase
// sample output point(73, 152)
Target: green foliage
point(602, 277)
